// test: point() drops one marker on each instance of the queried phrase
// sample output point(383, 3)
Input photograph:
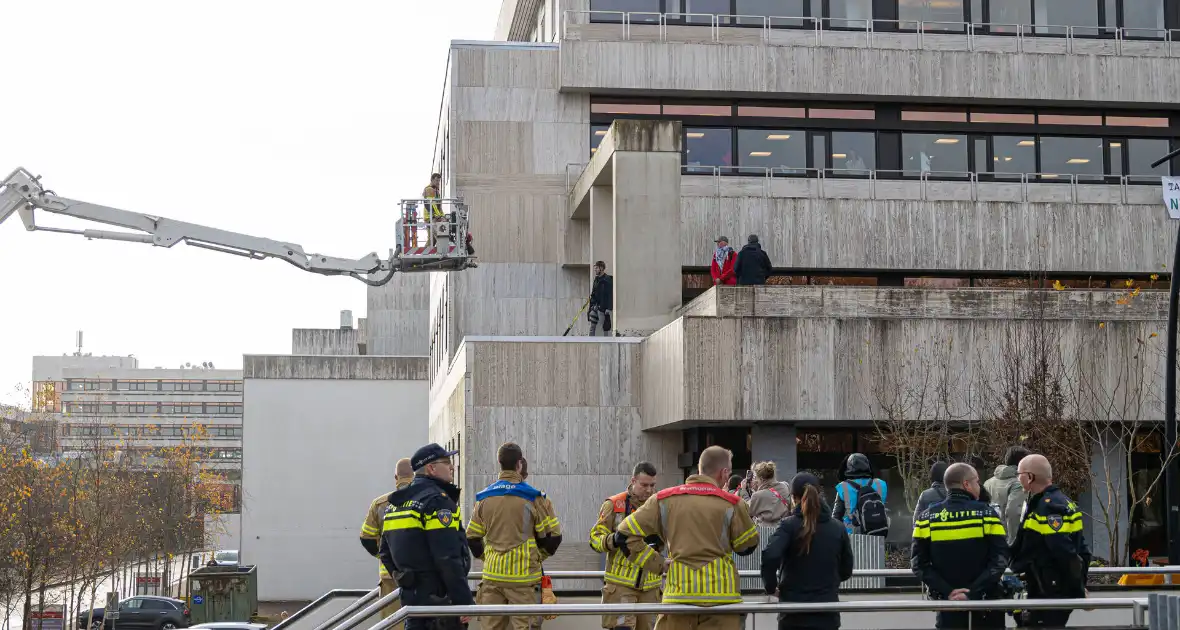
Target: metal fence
point(872, 33)
point(1165, 611)
point(868, 553)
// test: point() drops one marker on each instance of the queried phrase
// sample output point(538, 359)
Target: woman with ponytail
point(808, 557)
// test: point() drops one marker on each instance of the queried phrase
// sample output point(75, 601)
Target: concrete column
point(1109, 466)
point(776, 443)
point(647, 268)
point(602, 232)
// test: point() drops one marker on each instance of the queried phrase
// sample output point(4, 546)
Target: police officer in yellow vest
point(703, 526)
point(513, 528)
point(626, 582)
point(371, 530)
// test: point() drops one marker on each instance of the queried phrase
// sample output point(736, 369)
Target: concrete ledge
point(623, 135)
point(478, 339)
point(371, 368)
point(815, 302)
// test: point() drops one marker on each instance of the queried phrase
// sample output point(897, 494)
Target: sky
point(299, 121)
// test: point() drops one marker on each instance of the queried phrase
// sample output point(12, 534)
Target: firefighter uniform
point(625, 581)
point(702, 526)
point(1051, 553)
point(960, 543)
point(425, 549)
point(371, 540)
point(513, 528)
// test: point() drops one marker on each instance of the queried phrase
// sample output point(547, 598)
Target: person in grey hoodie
point(1007, 495)
point(770, 501)
point(935, 493)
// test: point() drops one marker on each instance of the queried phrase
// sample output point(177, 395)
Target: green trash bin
point(223, 593)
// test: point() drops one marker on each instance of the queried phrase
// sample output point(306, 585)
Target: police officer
point(371, 530)
point(960, 551)
point(513, 528)
point(626, 582)
point(1050, 552)
point(702, 526)
point(423, 544)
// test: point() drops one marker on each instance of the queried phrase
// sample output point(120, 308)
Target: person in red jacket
point(724, 259)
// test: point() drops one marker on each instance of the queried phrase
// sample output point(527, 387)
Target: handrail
point(335, 593)
point(970, 31)
point(1137, 606)
point(370, 610)
point(348, 610)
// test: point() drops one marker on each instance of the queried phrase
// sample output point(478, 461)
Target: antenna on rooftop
point(78, 342)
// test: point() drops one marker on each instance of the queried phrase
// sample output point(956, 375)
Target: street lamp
point(1171, 478)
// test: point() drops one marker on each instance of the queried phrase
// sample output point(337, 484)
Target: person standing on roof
point(513, 529)
point(602, 299)
point(753, 265)
point(424, 547)
point(724, 259)
point(433, 210)
point(1006, 493)
point(702, 527)
point(625, 581)
point(860, 498)
point(371, 530)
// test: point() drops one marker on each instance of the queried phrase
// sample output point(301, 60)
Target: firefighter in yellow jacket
point(513, 528)
point(702, 526)
point(371, 530)
point(626, 582)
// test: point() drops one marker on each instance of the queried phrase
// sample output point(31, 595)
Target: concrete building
point(322, 436)
point(935, 154)
point(114, 398)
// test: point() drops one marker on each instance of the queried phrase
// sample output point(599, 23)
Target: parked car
point(229, 625)
point(141, 612)
point(226, 557)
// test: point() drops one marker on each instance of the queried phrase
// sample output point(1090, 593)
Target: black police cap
point(427, 454)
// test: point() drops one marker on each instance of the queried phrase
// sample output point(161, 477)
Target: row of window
point(77, 430)
point(151, 408)
point(152, 385)
point(1089, 18)
point(916, 154)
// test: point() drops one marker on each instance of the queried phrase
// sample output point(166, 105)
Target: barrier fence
point(879, 33)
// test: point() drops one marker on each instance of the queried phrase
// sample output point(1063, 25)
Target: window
point(1003, 118)
point(706, 148)
point(773, 112)
point(696, 11)
point(1137, 121)
point(1142, 18)
point(1073, 156)
point(851, 14)
point(933, 115)
point(223, 386)
point(846, 114)
point(131, 604)
point(779, 12)
point(779, 149)
point(937, 15)
point(625, 108)
point(1142, 152)
point(597, 133)
point(698, 110)
point(1055, 15)
point(157, 604)
point(854, 152)
point(651, 7)
point(926, 152)
point(1013, 155)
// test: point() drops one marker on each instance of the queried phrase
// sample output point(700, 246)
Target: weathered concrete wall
point(858, 224)
point(335, 368)
point(326, 341)
point(786, 68)
point(573, 406)
point(833, 354)
point(397, 316)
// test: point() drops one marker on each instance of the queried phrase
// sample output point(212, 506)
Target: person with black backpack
point(860, 498)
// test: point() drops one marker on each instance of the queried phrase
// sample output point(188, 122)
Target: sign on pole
point(1172, 196)
point(49, 617)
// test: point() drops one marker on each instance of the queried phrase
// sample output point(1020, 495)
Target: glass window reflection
point(1071, 156)
point(854, 152)
point(1142, 152)
point(936, 15)
point(852, 14)
point(780, 12)
point(1004, 16)
point(784, 150)
point(696, 11)
point(1143, 18)
point(929, 152)
point(648, 11)
point(1055, 15)
point(1012, 156)
point(706, 148)
point(597, 132)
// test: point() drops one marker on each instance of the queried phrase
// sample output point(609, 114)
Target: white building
point(112, 397)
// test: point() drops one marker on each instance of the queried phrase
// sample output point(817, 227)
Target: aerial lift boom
point(23, 193)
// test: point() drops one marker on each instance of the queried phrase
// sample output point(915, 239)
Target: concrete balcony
point(818, 355)
point(763, 57)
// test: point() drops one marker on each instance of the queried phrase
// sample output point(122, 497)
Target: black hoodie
point(753, 265)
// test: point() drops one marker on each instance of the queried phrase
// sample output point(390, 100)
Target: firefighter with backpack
point(860, 498)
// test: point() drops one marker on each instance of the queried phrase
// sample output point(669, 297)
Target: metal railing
point(1137, 606)
point(360, 610)
point(924, 34)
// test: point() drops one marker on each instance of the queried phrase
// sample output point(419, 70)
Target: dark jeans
point(414, 597)
point(982, 619)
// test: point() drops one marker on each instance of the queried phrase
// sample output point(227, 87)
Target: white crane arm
point(23, 193)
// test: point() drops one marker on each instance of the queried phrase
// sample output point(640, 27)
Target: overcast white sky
point(294, 120)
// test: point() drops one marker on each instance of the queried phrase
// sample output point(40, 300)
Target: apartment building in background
point(140, 410)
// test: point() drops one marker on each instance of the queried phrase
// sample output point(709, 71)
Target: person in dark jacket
point(807, 558)
point(960, 551)
point(935, 493)
point(753, 265)
point(423, 544)
point(602, 299)
point(861, 496)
